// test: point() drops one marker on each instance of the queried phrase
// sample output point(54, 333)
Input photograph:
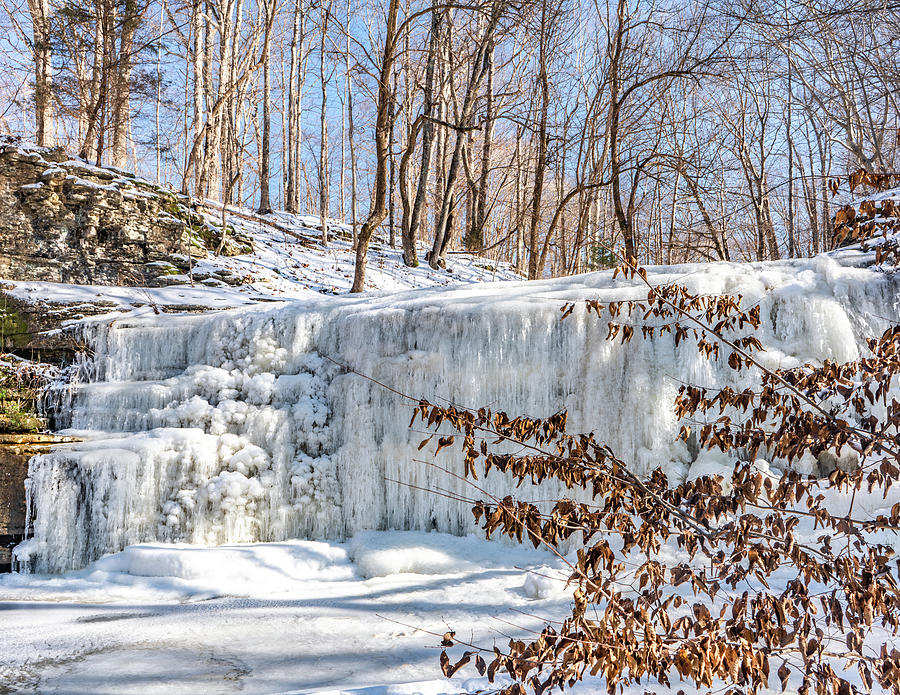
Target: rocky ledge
point(64, 220)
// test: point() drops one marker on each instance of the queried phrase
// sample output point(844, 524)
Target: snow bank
point(255, 424)
point(136, 300)
point(382, 554)
point(429, 687)
point(547, 582)
point(255, 566)
point(165, 572)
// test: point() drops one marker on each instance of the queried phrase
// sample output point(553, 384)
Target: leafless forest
point(534, 131)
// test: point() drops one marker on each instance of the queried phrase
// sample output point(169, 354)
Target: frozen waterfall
point(246, 425)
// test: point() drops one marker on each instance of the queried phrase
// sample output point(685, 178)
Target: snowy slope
point(289, 261)
point(283, 265)
point(280, 268)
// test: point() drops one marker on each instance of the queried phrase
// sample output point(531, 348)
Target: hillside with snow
point(289, 260)
point(281, 267)
point(131, 243)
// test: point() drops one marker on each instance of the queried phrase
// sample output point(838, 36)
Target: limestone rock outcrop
point(63, 220)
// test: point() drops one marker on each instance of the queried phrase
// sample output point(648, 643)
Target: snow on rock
point(712, 462)
point(256, 424)
point(136, 301)
point(546, 582)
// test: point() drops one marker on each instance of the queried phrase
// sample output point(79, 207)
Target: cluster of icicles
point(256, 425)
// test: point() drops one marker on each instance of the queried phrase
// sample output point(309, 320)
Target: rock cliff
point(63, 220)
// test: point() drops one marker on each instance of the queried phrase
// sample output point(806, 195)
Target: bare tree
point(265, 204)
point(296, 78)
point(494, 12)
point(378, 208)
point(324, 178)
point(42, 51)
point(410, 231)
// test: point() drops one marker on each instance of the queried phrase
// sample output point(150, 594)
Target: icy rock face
point(256, 424)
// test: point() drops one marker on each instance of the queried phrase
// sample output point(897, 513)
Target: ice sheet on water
point(269, 618)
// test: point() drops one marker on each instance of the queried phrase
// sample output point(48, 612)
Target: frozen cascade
point(245, 425)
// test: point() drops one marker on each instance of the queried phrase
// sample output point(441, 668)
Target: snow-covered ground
point(364, 617)
point(284, 266)
point(297, 616)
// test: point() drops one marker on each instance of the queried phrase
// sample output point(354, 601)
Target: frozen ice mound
point(259, 564)
point(546, 582)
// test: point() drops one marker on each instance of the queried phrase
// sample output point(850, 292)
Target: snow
point(546, 582)
point(280, 268)
point(84, 183)
point(135, 301)
point(292, 617)
point(283, 266)
point(380, 554)
point(297, 616)
point(288, 261)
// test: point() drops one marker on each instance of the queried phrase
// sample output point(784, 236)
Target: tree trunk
point(409, 234)
point(324, 193)
point(479, 70)
point(378, 209)
point(209, 176)
point(353, 166)
point(265, 205)
point(541, 163)
point(295, 103)
point(158, 100)
point(405, 192)
point(121, 85)
point(94, 103)
point(43, 72)
point(391, 173)
point(475, 238)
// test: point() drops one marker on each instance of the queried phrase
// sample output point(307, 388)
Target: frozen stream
point(299, 616)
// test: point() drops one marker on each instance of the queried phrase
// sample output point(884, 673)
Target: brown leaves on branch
point(717, 616)
point(880, 182)
point(873, 224)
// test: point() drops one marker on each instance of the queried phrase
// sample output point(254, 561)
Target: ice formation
point(255, 424)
